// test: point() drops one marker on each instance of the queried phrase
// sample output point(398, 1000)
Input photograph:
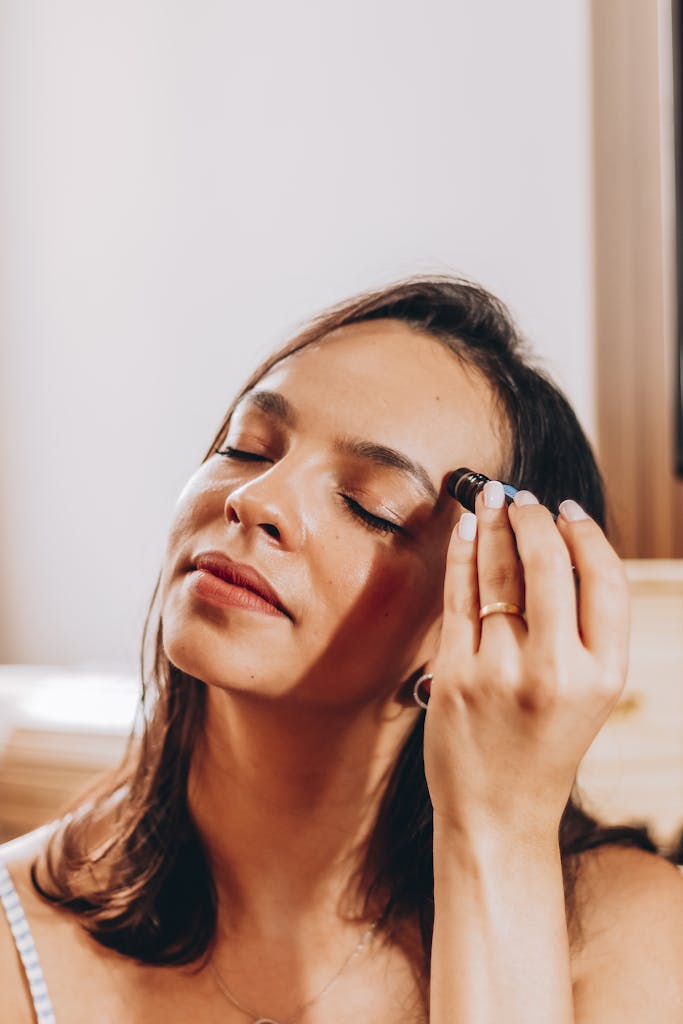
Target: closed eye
point(237, 453)
point(374, 522)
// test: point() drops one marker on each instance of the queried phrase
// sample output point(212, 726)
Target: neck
point(285, 799)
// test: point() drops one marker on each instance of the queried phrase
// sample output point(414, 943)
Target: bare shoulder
point(629, 966)
point(17, 857)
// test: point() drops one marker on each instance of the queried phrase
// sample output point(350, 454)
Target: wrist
point(491, 841)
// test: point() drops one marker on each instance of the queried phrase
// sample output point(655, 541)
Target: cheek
point(198, 504)
point(387, 588)
point(391, 593)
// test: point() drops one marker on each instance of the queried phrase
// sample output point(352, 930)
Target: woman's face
point(332, 488)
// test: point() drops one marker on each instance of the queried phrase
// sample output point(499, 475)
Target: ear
point(429, 644)
point(426, 651)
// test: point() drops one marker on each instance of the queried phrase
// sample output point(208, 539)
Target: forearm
point(500, 952)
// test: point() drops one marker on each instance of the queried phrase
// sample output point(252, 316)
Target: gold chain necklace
point(256, 1019)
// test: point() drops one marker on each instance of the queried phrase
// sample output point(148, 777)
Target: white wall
point(181, 183)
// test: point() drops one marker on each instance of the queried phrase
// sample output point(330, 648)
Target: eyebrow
point(278, 407)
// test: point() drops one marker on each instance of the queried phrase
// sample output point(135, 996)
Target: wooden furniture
point(59, 730)
point(635, 273)
point(634, 769)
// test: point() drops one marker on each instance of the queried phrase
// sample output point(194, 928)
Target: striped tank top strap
point(9, 897)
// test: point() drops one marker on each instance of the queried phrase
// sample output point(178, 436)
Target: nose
point(268, 504)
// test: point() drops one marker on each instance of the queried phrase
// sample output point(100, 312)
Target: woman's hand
point(514, 706)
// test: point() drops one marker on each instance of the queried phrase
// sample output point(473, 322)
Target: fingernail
point(467, 526)
point(525, 498)
point(494, 495)
point(572, 511)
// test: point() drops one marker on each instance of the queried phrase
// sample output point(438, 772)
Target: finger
point(460, 630)
point(604, 599)
point(500, 575)
point(548, 579)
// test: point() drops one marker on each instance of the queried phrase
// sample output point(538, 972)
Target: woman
point(294, 839)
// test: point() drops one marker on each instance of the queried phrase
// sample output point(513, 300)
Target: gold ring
point(501, 606)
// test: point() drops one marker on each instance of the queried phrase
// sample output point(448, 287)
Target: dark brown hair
point(148, 891)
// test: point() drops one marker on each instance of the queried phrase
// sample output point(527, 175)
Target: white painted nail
point(525, 498)
point(467, 526)
point(494, 495)
point(572, 511)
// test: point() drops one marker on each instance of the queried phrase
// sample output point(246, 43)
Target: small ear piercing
point(417, 697)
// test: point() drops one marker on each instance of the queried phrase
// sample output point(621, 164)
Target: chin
point(227, 660)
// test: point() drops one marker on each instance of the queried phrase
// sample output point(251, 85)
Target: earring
point(426, 676)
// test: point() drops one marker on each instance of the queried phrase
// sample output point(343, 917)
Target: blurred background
point(182, 185)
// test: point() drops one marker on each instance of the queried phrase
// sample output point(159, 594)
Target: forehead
point(387, 382)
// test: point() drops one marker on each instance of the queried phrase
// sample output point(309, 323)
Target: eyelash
point(372, 522)
point(237, 453)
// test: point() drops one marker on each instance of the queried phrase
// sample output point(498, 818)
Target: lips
point(240, 575)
